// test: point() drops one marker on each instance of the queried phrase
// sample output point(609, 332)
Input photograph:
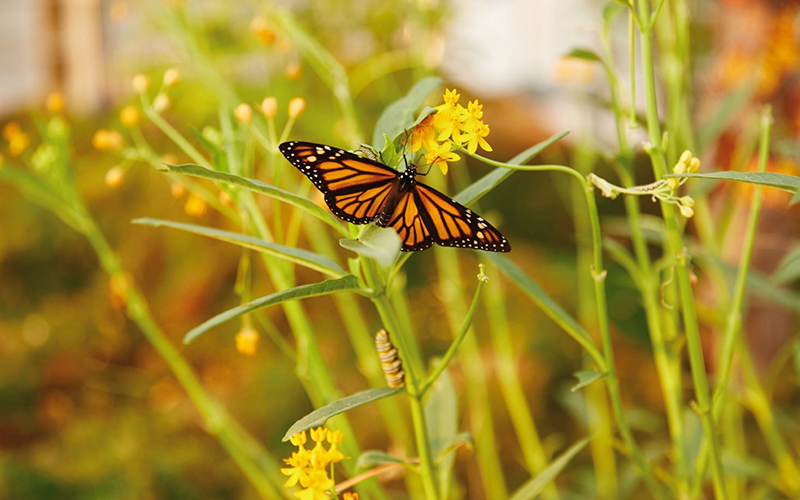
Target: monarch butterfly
point(390, 362)
point(360, 190)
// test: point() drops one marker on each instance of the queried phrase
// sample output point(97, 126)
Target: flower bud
point(244, 113)
point(129, 116)
point(195, 206)
point(177, 190)
point(294, 71)
point(225, 198)
point(694, 165)
point(296, 107)
point(172, 77)
point(107, 140)
point(269, 106)
point(686, 211)
point(161, 103)
point(55, 103)
point(686, 156)
point(687, 201)
point(115, 177)
point(141, 83)
point(247, 341)
point(261, 29)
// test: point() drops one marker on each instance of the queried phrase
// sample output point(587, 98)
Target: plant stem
point(682, 262)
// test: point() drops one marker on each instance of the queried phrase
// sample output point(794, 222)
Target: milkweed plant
point(704, 451)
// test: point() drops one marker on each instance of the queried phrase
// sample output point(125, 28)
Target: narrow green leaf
point(723, 117)
point(441, 415)
point(535, 485)
point(399, 115)
point(585, 378)
point(304, 258)
point(321, 415)
point(795, 198)
point(379, 243)
point(459, 440)
point(479, 188)
point(343, 284)
point(789, 268)
point(263, 188)
point(218, 157)
point(585, 54)
point(374, 458)
point(39, 192)
point(789, 183)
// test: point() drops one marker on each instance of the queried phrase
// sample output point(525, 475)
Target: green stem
point(682, 262)
point(451, 352)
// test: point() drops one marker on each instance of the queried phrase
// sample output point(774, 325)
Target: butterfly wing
point(355, 188)
point(451, 224)
point(409, 223)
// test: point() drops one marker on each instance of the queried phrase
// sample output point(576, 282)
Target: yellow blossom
point(350, 496)
point(161, 103)
point(261, 29)
point(18, 143)
point(107, 140)
point(424, 134)
point(298, 439)
point(296, 107)
point(195, 206)
point(55, 103)
point(10, 130)
point(177, 190)
point(172, 77)
point(477, 137)
point(129, 116)
point(440, 155)
point(140, 83)
point(687, 212)
point(269, 107)
point(244, 113)
point(247, 341)
point(225, 198)
point(115, 177)
point(293, 70)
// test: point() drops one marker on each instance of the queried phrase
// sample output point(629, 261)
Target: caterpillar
point(390, 361)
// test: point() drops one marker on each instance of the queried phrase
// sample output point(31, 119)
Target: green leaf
point(441, 415)
point(795, 198)
point(218, 157)
point(585, 378)
point(479, 188)
point(263, 188)
point(399, 115)
point(535, 485)
point(379, 243)
point(722, 118)
point(373, 458)
point(389, 152)
point(789, 183)
point(585, 54)
point(789, 268)
point(460, 439)
point(343, 284)
point(321, 415)
point(305, 258)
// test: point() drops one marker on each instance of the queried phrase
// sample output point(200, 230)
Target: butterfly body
point(360, 191)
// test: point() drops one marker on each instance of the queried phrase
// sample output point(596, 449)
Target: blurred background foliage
point(87, 408)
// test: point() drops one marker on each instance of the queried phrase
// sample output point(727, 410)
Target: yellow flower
point(161, 103)
point(318, 484)
point(107, 140)
point(269, 106)
point(115, 177)
point(298, 472)
point(476, 138)
point(18, 143)
point(140, 83)
point(10, 130)
point(55, 103)
point(298, 439)
point(261, 29)
point(244, 113)
point(473, 115)
point(247, 341)
point(293, 70)
point(350, 496)
point(172, 77)
point(296, 107)
point(195, 206)
point(424, 134)
point(334, 438)
point(129, 116)
point(440, 155)
point(451, 97)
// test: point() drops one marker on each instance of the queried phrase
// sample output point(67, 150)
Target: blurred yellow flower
point(296, 107)
point(140, 83)
point(115, 177)
point(18, 143)
point(55, 103)
point(247, 341)
point(440, 155)
point(225, 198)
point(293, 70)
point(177, 190)
point(107, 140)
point(244, 113)
point(350, 496)
point(195, 206)
point(161, 103)
point(269, 107)
point(261, 29)
point(129, 116)
point(309, 468)
point(172, 77)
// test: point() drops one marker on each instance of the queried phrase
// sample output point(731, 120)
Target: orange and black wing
point(410, 224)
point(355, 188)
point(451, 224)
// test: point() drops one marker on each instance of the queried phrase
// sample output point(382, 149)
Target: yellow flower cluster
point(309, 468)
point(18, 141)
point(451, 124)
point(687, 164)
